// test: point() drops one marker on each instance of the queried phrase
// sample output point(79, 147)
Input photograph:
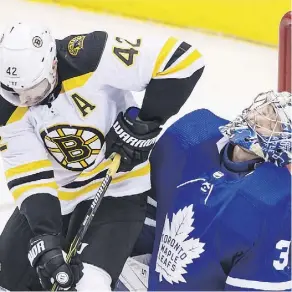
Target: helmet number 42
point(11, 71)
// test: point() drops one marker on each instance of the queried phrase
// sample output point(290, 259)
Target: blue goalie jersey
point(216, 230)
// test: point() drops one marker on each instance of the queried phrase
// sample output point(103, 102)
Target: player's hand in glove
point(46, 256)
point(132, 138)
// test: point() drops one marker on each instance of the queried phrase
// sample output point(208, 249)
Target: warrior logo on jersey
point(74, 147)
point(175, 250)
point(75, 45)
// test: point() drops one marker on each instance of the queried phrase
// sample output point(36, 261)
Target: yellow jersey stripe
point(24, 168)
point(99, 168)
point(168, 46)
point(194, 56)
point(19, 191)
point(17, 115)
point(136, 173)
point(76, 82)
point(67, 196)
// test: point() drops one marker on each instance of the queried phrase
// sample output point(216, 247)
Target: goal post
point(284, 66)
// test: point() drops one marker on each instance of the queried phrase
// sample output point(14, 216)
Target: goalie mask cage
point(284, 67)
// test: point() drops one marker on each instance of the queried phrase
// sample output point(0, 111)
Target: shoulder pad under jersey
point(262, 199)
point(268, 185)
point(80, 54)
point(194, 128)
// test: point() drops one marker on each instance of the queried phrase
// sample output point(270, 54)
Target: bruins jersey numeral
point(127, 53)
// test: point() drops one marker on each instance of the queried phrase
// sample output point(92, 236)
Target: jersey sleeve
point(167, 68)
point(29, 173)
point(27, 168)
point(267, 266)
point(131, 63)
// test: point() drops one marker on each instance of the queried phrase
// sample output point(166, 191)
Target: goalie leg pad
point(134, 276)
point(94, 278)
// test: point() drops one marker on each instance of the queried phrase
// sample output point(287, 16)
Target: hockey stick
point(77, 241)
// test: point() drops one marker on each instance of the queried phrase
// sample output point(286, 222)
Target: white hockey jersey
point(58, 147)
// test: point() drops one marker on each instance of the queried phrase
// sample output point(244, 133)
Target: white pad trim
point(94, 279)
point(242, 283)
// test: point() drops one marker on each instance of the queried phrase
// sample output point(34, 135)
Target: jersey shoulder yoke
point(194, 128)
point(269, 185)
point(80, 54)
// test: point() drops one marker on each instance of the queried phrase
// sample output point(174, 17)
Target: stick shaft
point(92, 210)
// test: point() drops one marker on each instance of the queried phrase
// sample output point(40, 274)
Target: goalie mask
point(28, 64)
point(264, 128)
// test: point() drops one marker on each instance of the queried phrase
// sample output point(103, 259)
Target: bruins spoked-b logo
point(74, 147)
point(37, 42)
point(75, 45)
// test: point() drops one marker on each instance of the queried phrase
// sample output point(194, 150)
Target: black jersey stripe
point(3, 147)
point(79, 184)
point(183, 47)
point(30, 178)
point(87, 57)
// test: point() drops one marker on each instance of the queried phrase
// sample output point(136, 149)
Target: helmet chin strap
point(23, 101)
point(52, 95)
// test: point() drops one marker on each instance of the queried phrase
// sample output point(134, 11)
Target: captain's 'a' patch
point(74, 147)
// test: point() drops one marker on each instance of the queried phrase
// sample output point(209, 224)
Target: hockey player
point(66, 106)
point(224, 200)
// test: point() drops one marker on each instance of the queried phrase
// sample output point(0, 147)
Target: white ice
point(235, 71)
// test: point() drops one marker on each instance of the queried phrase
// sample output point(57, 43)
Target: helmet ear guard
point(264, 128)
point(28, 63)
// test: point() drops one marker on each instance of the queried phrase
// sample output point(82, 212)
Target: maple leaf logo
point(175, 250)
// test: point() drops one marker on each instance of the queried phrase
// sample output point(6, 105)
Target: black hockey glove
point(132, 138)
point(45, 255)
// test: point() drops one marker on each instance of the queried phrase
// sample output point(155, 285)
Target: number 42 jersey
point(216, 230)
point(58, 147)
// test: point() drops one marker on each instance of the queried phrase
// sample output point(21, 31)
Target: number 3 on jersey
point(284, 247)
point(126, 51)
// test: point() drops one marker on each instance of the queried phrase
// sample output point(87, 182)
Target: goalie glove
point(132, 138)
point(46, 256)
